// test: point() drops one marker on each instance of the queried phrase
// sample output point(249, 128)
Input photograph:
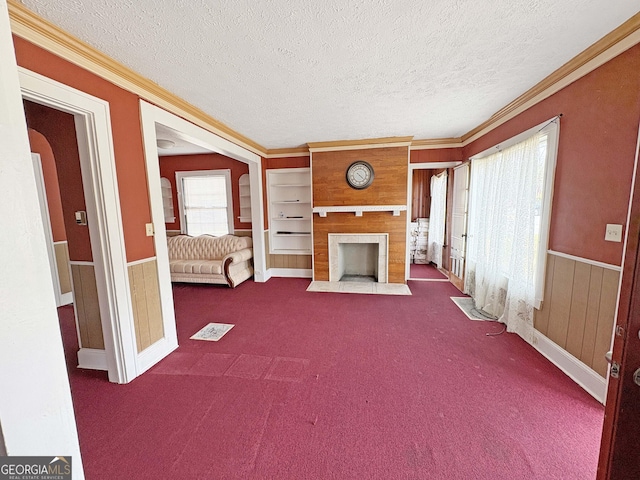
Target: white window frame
point(205, 173)
point(552, 128)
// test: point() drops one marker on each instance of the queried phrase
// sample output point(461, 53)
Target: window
point(205, 204)
point(508, 226)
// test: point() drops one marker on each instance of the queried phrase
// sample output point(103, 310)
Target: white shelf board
point(358, 209)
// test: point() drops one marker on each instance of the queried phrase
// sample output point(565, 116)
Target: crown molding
point(363, 144)
point(611, 45)
point(287, 152)
point(33, 28)
point(435, 143)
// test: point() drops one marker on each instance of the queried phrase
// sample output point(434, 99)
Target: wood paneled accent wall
point(61, 250)
point(87, 307)
point(579, 309)
point(389, 187)
point(145, 296)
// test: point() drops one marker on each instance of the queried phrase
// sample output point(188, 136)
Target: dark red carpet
point(425, 271)
point(336, 386)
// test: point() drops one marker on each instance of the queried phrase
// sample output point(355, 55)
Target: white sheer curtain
point(437, 214)
point(506, 205)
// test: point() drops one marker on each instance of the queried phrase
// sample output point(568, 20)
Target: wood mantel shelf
point(358, 209)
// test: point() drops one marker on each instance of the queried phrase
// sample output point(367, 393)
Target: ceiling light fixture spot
point(165, 144)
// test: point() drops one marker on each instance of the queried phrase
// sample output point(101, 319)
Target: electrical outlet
point(613, 233)
point(149, 227)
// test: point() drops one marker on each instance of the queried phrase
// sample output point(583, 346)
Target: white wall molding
point(580, 373)
point(142, 260)
point(290, 272)
point(433, 165)
point(585, 260)
point(154, 353)
point(92, 359)
point(66, 298)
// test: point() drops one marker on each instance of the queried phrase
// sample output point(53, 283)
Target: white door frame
point(97, 161)
point(61, 299)
point(412, 167)
point(150, 115)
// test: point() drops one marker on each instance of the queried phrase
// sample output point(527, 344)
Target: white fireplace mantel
point(358, 209)
point(334, 241)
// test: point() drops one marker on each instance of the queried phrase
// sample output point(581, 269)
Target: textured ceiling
point(287, 72)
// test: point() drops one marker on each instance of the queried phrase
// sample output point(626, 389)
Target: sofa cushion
point(206, 267)
point(205, 247)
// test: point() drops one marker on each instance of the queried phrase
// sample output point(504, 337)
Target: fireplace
point(359, 255)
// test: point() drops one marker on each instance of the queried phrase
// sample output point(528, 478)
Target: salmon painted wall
point(283, 162)
point(127, 139)
point(186, 163)
point(436, 155)
point(58, 128)
point(598, 134)
point(40, 145)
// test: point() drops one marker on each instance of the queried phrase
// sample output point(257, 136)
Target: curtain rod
point(554, 119)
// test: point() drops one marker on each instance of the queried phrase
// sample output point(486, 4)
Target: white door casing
point(46, 221)
point(36, 409)
point(150, 115)
point(97, 161)
point(412, 168)
point(459, 224)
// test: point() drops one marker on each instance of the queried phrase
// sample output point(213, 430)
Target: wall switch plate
point(149, 227)
point(614, 233)
point(81, 217)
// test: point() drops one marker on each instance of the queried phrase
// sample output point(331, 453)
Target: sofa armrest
point(239, 256)
point(234, 258)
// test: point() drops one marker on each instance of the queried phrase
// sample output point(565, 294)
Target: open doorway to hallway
point(430, 220)
point(54, 145)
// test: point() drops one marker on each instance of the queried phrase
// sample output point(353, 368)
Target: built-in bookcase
point(245, 198)
point(289, 205)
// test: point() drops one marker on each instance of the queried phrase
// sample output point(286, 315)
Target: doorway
point(91, 122)
point(55, 234)
point(156, 120)
point(428, 238)
point(54, 146)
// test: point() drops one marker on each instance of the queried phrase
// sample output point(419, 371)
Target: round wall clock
point(359, 175)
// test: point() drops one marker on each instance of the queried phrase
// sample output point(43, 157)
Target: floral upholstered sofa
point(227, 260)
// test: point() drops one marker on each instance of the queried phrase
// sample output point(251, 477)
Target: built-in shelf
point(245, 198)
point(359, 209)
point(167, 200)
point(289, 203)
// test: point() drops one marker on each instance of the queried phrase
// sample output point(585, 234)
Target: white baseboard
point(153, 354)
point(579, 372)
point(262, 278)
point(66, 298)
point(92, 359)
point(290, 272)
